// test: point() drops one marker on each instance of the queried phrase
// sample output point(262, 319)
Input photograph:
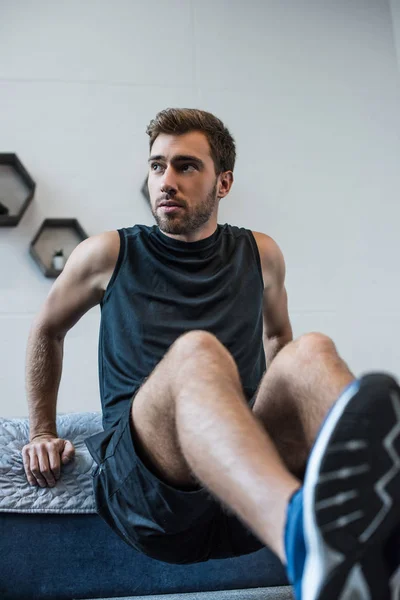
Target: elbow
point(41, 328)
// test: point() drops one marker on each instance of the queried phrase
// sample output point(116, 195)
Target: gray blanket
point(73, 491)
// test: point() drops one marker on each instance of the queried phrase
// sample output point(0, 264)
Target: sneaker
point(340, 526)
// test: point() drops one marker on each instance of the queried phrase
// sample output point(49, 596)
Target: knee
point(196, 343)
point(311, 344)
point(305, 350)
point(201, 345)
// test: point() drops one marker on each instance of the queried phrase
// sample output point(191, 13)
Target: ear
point(225, 182)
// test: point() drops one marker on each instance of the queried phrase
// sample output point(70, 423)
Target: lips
point(170, 204)
point(172, 209)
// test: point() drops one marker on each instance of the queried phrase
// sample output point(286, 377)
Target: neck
point(194, 236)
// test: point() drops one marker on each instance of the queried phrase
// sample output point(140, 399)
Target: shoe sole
point(351, 495)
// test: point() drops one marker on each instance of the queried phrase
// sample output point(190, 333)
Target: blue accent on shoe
point(295, 546)
point(342, 536)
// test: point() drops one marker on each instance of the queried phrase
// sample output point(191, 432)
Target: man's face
point(182, 183)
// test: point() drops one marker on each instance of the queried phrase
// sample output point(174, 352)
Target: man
point(206, 429)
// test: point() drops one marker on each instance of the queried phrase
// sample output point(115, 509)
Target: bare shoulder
point(81, 284)
point(95, 257)
point(271, 257)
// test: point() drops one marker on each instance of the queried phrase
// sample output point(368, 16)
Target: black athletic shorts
point(155, 518)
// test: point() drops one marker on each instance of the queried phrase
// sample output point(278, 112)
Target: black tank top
point(162, 287)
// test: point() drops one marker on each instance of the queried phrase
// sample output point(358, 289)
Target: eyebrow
point(179, 158)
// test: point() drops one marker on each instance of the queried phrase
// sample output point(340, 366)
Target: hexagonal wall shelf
point(16, 189)
point(53, 244)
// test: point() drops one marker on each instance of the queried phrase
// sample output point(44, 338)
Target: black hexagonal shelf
point(16, 189)
point(145, 191)
point(53, 236)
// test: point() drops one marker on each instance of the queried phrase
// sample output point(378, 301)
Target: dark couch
point(54, 546)
point(77, 556)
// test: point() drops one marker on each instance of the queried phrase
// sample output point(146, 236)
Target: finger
point(25, 459)
point(35, 470)
point(45, 467)
point(68, 453)
point(54, 462)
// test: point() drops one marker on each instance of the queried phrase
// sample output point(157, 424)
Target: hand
point(43, 457)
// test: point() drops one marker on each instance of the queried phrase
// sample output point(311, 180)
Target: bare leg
point(192, 422)
point(190, 417)
point(299, 388)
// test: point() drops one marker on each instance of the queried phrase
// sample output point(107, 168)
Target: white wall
point(311, 92)
point(395, 11)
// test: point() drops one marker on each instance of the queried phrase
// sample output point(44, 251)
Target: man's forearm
point(273, 345)
point(43, 374)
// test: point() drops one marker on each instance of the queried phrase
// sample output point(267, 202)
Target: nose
point(168, 182)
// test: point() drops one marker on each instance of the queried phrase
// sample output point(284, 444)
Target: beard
point(191, 220)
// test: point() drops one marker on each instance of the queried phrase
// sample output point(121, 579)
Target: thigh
point(153, 517)
point(153, 414)
point(152, 421)
point(280, 417)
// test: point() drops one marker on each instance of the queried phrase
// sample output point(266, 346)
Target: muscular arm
point(277, 327)
point(43, 373)
point(78, 288)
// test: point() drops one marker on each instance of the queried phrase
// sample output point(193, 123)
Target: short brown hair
point(177, 121)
